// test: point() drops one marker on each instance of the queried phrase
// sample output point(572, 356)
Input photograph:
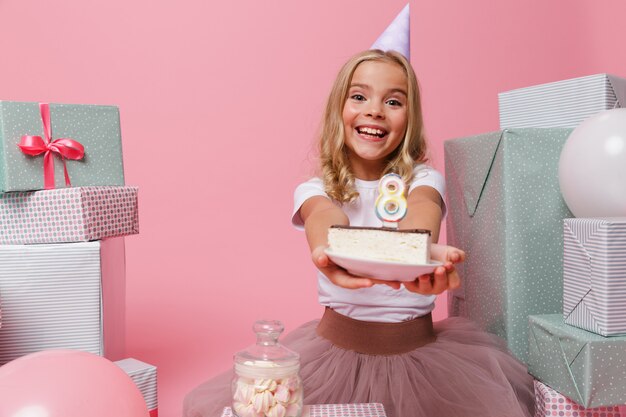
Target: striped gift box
point(594, 274)
point(63, 296)
point(549, 403)
point(562, 103)
point(144, 376)
point(335, 410)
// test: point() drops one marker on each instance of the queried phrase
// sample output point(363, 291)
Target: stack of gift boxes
point(64, 210)
point(551, 285)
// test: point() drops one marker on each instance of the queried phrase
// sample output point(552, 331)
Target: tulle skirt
point(463, 372)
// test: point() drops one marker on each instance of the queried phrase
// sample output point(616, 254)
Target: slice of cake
point(385, 244)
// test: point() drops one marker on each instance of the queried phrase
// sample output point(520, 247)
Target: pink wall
point(221, 98)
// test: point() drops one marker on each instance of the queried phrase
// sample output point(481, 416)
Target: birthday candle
point(391, 204)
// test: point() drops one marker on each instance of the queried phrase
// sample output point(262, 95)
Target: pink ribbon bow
point(66, 148)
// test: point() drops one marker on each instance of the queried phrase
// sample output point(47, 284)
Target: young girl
point(376, 341)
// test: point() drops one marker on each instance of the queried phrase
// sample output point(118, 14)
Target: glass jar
point(267, 382)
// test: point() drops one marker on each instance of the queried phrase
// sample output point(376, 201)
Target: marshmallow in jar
point(267, 381)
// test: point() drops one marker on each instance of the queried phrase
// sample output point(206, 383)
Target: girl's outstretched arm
point(445, 277)
point(425, 212)
point(318, 214)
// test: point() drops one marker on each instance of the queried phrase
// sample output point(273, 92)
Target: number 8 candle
point(391, 205)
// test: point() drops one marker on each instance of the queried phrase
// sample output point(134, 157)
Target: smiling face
point(374, 116)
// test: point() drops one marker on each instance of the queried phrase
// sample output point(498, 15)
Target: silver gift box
point(63, 296)
point(561, 104)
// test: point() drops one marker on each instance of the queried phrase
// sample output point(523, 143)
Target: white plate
point(385, 270)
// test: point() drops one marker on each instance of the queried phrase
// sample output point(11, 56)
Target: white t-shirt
point(379, 303)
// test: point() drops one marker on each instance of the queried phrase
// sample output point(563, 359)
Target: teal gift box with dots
point(506, 211)
point(586, 367)
point(95, 128)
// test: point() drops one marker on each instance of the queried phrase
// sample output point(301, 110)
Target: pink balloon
point(67, 383)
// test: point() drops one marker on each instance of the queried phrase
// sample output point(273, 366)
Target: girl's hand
point(336, 274)
point(342, 278)
point(444, 277)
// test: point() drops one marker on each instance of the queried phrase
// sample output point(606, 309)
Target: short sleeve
point(425, 175)
point(304, 191)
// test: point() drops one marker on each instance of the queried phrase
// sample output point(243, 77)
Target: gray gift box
point(586, 367)
point(63, 296)
point(506, 211)
point(144, 376)
point(96, 128)
point(594, 274)
point(563, 103)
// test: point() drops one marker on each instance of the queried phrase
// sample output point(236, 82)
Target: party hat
point(397, 35)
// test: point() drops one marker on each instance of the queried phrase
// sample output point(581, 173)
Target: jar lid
point(267, 355)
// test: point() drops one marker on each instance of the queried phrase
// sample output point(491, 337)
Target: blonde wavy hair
point(333, 153)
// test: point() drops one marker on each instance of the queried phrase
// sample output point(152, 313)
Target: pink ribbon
point(66, 148)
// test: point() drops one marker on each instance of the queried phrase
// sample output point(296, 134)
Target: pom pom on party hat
point(397, 35)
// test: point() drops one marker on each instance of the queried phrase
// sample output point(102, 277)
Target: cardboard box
point(96, 128)
point(72, 214)
point(594, 275)
point(549, 403)
point(561, 104)
point(144, 376)
point(506, 211)
point(586, 367)
point(63, 296)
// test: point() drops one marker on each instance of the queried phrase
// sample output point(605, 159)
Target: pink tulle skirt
point(464, 372)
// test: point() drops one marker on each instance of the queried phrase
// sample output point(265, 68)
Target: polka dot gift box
point(68, 215)
point(586, 367)
point(335, 410)
point(506, 211)
point(36, 139)
point(549, 403)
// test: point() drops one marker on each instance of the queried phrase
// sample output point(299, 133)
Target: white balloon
point(592, 166)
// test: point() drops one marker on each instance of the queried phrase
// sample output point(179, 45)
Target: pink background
point(220, 102)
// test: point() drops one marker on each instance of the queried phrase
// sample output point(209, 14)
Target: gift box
point(144, 376)
point(68, 215)
point(561, 104)
point(586, 367)
point(38, 140)
point(549, 403)
point(335, 410)
point(63, 296)
point(594, 274)
point(506, 211)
